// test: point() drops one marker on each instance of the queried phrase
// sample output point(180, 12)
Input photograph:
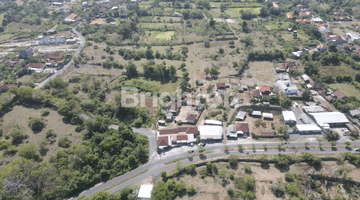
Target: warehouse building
point(328, 120)
point(210, 132)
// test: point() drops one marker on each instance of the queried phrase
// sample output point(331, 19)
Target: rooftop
point(177, 130)
point(329, 117)
point(244, 127)
point(339, 94)
point(191, 117)
point(163, 141)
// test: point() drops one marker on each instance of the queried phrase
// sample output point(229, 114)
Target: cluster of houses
point(52, 60)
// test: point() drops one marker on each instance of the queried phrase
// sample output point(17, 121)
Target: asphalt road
point(156, 164)
point(77, 52)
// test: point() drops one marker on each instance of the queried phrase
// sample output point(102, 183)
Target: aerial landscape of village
point(180, 99)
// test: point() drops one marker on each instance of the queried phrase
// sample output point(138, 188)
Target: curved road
point(77, 52)
point(156, 163)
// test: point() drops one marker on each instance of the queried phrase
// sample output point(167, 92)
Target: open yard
point(259, 73)
point(165, 35)
point(348, 89)
point(215, 187)
point(19, 117)
point(337, 70)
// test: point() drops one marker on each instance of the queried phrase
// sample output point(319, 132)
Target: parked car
point(202, 144)
point(302, 120)
point(357, 149)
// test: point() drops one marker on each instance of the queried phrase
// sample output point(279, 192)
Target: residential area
point(165, 100)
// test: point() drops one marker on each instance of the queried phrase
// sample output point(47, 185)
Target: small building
point(286, 87)
point(213, 122)
point(313, 109)
point(317, 20)
point(289, 117)
point(255, 93)
point(145, 192)
point(220, 86)
point(56, 4)
point(199, 82)
point(84, 4)
point(338, 95)
point(264, 90)
point(316, 86)
point(200, 106)
point(242, 128)
point(210, 132)
point(241, 115)
point(354, 112)
point(179, 130)
point(51, 31)
point(244, 87)
point(305, 78)
point(234, 102)
point(6, 87)
point(53, 56)
point(161, 122)
point(268, 116)
point(174, 108)
point(308, 129)
point(353, 36)
point(256, 114)
point(26, 52)
point(70, 41)
point(169, 117)
point(289, 15)
point(191, 118)
point(231, 131)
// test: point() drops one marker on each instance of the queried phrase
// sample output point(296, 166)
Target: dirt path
point(232, 30)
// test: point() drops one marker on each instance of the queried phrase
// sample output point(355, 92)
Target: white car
point(357, 149)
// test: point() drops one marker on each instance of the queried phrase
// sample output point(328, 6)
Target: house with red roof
point(298, 20)
point(255, 93)
point(289, 15)
point(264, 90)
point(163, 141)
point(174, 108)
point(6, 87)
point(191, 118)
point(321, 48)
point(242, 128)
point(316, 86)
point(72, 16)
point(177, 136)
point(339, 95)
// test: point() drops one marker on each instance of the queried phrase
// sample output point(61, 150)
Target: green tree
point(333, 143)
point(184, 85)
point(306, 144)
point(29, 151)
point(347, 143)
point(213, 71)
point(207, 71)
point(201, 149)
point(263, 159)
point(163, 175)
point(64, 142)
point(265, 146)
point(191, 190)
point(240, 146)
point(306, 95)
point(186, 75)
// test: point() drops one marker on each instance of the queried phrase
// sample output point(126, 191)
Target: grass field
point(347, 89)
point(337, 70)
point(20, 115)
point(152, 85)
point(253, 10)
point(165, 35)
point(259, 73)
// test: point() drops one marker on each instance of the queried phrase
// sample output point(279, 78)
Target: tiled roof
point(316, 85)
point(174, 106)
point(242, 127)
point(321, 46)
point(339, 94)
point(337, 38)
point(220, 85)
point(72, 16)
point(292, 68)
point(36, 65)
point(191, 117)
point(264, 89)
point(163, 141)
point(255, 92)
point(177, 130)
point(7, 86)
point(182, 137)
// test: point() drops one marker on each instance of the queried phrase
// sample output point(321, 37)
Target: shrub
point(292, 189)
point(263, 159)
point(190, 169)
point(191, 190)
point(17, 135)
point(247, 169)
point(289, 177)
point(29, 151)
point(332, 135)
point(64, 142)
point(233, 160)
point(45, 112)
point(310, 158)
point(278, 189)
point(36, 123)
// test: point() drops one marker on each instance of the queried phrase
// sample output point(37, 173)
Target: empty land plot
point(347, 89)
point(20, 115)
point(337, 70)
point(259, 73)
point(165, 35)
point(214, 188)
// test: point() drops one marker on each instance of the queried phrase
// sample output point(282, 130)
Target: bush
point(289, 177)
point(247, 169)
point(310, 158)
point(29, 151)
point(64, 142)
point(191, 190)
point(278, 189)
point(332, 135)
point(190, 169)
point(45, 112)
point(233, 160)
point(263, 159)
point(292, 189)
point(36, 123)
point(17, 135)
